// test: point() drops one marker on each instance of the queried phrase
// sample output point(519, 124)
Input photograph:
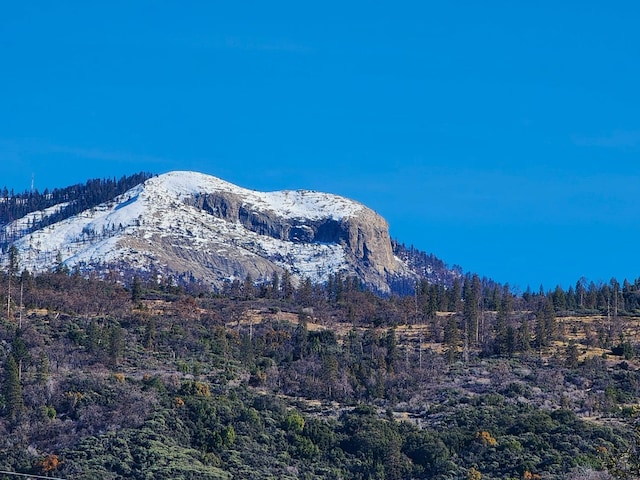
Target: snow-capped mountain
point(197, 227)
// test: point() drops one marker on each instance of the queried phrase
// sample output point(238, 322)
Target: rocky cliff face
point(364, 236)
point(198, 227)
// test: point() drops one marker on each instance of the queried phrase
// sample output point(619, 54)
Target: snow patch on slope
point(288, 203)
point(24, 223)
point(125, 228)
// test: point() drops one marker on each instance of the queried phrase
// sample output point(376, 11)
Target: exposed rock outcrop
point(365, 235)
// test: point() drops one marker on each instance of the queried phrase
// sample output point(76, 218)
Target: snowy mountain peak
point(197, 227)
point(290, 204)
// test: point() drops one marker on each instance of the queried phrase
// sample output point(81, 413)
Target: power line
point(29, 475)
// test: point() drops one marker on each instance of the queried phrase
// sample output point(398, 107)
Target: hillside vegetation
point(276, 381)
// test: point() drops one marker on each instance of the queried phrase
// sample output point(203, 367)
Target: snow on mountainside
point(196, 227)
point(302, 204)
point(23, 224)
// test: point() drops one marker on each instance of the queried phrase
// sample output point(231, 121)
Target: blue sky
point(500, 136)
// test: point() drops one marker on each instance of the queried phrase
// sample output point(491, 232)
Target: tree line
point(75, 198)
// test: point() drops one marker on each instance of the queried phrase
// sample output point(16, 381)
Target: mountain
point(196, 227)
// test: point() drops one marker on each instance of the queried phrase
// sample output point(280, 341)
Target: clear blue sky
point(500, 136)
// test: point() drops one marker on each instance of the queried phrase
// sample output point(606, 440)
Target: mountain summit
point(196, 227)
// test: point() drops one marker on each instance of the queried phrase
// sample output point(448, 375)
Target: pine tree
point(14, 260)
point(471, 293)
point(286, 286)
point(549, 320)
point(504, 333)
point(248, 288)
point(304, 293)
point(13, 388)
point(455, 299)
point(136, 289)
point(524, 336)
point(150, 334)
point(572, 304)
point(542, 338)
point(300, 338)
point(392, 348)
point(12, 270)
point(93, 337)
point(451, 338)
point(559, 299)
point(20, 353)
point(275, 285)
point(545, 323)
point(571, 355)
point(60, 268)
point(44, 368)
point(116, 344)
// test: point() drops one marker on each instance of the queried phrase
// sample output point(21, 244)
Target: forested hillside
point(73, 200)
point(426, 265)
point(151, 380)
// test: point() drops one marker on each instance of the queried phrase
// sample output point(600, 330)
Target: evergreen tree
point(545, 323)
point(591, 299)
point(571, 356)
point(392, 348)
point(44, 368)
point(471, 292)
point(572, 303)
point(136, 289)
point(275, 285)
point(549, 320)
point(542, 339)
point(248, 288)
point(116, 344)
point(455, 298)
point(20, 353)
point(12, 270)
point(527, 295)
point(451, 337)
point(13, 388)
point(524, 336)
point(504, 334)
point(430, 306)
point(304, 293)
point(511, 340)
point(14, 261)
point(329, 372)
point(150, 334)
point(61, 268)
point(286, 286)
point(559, 299)
point(300, 338)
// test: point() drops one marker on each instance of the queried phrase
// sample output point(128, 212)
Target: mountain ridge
point(196, 227)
